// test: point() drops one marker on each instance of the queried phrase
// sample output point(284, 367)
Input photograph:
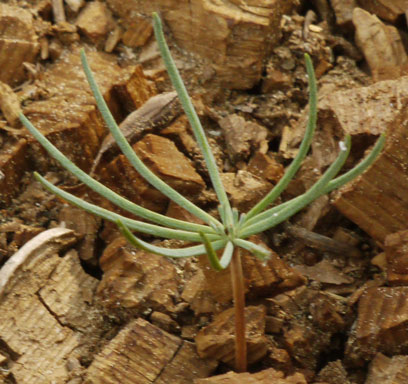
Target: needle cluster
point(234, 228)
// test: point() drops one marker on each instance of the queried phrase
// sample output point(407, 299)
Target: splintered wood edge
point(50, 241)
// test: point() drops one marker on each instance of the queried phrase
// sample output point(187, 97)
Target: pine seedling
point(230, 233)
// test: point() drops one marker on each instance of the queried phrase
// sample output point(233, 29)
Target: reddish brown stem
point(238, 290)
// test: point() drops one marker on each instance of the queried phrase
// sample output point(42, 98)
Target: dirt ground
point(80, 305)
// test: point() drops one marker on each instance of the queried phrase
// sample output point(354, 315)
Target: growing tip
point(156, 18)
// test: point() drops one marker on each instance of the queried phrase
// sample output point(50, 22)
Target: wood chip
point(136, 280)
point(388, 10)
point(280, 359)
point(333, 373)
point(143, 353)
point(377, 200)
point(197, 294)
point(382, 46)
point(66, 33)
point(186, 367)
point(396, 251)
point(343, 10)
point(266, 166)
point(95, 21)
point(113, 39)
point(32, 333)
point(70, 296)
point(311, 318)
point(155, 151)
point(138, 32)
point(242, 35)
point(217, 340)
point(58, 11)
point(315, 28)
point(276, 80)
point(357, 111)
point(381, 324)
point(140, 352)
point(85, 225)
point(18, 43)
point(267, 376)
point(370, 201)
point(244, 189)
point(164, 321)
point(243, 137)
point(9, 105)
point(13, 164)
point(18, 233)
point(388, 370)
point(262, 277)
point(75, 5)
point(68, 118)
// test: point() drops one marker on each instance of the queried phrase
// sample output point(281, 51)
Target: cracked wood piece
point(186, 366)
point(242, 34)
point(388, 10)
point(268, 376)
point(137, 354)
point(69, 295)
point(217, 340)
point(388, 370)
point(144, 354)
point(32, 335)
point(48, 242)
point(18, 43)
point(381, 324)
point(136, 280)
point(382, 46)
point(377, 201)
point(69, 117)
point(156, 113)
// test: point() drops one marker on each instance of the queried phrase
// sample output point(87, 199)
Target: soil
point(80, 305)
